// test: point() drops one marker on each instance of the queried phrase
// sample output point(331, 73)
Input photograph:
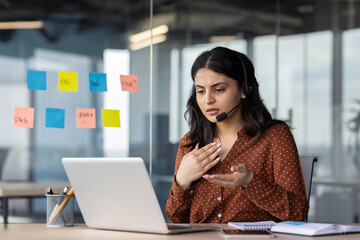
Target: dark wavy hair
point(255, 116)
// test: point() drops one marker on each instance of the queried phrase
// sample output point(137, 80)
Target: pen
point(62, 205)
point(58, 204)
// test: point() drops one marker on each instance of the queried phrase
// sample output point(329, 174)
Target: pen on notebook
point(62, 205)
point(64, 192)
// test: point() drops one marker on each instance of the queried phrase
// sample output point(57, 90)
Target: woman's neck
point(230, 126)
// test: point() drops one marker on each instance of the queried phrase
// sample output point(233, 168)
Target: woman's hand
point(196, 163)
point(241, 175)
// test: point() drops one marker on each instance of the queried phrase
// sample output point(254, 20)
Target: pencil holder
point(60, 210)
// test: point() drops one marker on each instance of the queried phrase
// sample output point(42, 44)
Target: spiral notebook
point(264, 225)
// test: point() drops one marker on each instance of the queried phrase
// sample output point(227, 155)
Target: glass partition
point(305, 55)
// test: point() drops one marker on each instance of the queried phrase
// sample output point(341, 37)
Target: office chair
point(3, 155)
point(307, 166)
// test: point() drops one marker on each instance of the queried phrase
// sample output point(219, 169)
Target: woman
point(243, 167)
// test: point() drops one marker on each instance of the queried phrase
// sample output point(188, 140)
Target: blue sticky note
point(55, 117)
point(36, 80)
point(97, 82)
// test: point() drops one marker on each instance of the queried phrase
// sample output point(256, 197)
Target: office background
point(307, 60)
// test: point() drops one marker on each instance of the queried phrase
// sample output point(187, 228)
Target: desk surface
point(29, 189)
point(80, 231)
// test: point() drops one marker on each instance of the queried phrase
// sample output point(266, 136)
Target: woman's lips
point(212, 111)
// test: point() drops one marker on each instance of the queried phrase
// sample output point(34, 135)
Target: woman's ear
point(243, 95)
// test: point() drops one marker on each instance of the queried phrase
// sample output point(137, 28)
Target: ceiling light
point(147, 42)
point(21, 25)
point(215, 39)
point(139, 37)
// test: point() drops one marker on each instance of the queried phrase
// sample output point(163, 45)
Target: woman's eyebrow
point(212, 86)
point(219, 83)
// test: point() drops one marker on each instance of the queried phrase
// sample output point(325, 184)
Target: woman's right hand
point(196, 163)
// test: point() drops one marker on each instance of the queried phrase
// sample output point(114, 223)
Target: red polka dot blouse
point(276, 192)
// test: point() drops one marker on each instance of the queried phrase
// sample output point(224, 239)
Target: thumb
point(239, 168)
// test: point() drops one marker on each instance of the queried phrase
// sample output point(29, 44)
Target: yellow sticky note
point(23, 117)
point(110, 118)
point(85, 118)
point(68, 81)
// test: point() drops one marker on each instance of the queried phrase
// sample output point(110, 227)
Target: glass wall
point(306, 57)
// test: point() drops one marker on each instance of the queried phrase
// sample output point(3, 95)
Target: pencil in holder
point(60, 210)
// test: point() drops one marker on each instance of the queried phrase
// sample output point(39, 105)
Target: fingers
point(211, 164)
point(220, 177)
point(209, 159)
point(222, 180)
point(208, 152)
point(212, 150)
point(197, 150)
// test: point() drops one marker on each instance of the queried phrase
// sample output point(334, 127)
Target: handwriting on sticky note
point(97, 82)
point(23, 117)
point(111, 118)
point(85, 118)
point(68, 81)
point(129, 83)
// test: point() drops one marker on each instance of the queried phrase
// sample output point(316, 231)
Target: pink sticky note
point(85, 118)
point(129, 83)
point(24, 117)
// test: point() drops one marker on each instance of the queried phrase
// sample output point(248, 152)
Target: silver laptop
point(117, 194)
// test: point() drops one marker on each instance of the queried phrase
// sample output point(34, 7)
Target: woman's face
point(215, 93)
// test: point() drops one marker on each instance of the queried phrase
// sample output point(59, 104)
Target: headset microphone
point(223, 116)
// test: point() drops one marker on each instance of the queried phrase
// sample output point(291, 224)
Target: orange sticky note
point(111, 118)
point(68, 81)
point(24, 117)
point(129, 83)
point(85, 118)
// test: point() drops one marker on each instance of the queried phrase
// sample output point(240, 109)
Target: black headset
point(245, 87)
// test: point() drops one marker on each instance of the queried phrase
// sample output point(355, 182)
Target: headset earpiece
point(246, 89)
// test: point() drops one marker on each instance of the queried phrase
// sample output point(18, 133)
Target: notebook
point(117, 194)
point(263, 225)
point(314, 229)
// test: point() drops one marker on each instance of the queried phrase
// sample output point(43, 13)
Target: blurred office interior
point(307, 60)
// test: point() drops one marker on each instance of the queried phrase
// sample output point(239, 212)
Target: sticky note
point(24, 117)
point(85, 118)
point(68, 81)
point(97, 82)
point(129, 83)
point(36, 80)
point(110, 118)
point(55, 117)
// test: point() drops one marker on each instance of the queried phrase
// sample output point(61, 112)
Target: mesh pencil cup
point(59, 210)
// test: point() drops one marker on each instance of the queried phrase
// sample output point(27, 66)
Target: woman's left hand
point(241, 175)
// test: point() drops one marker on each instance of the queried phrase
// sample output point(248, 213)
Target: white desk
point(79, 232)
point(9, 189)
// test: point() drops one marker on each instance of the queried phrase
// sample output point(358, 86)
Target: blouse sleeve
point(179, 202)
point(285, 198)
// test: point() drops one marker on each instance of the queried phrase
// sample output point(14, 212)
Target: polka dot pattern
point(276, 192)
